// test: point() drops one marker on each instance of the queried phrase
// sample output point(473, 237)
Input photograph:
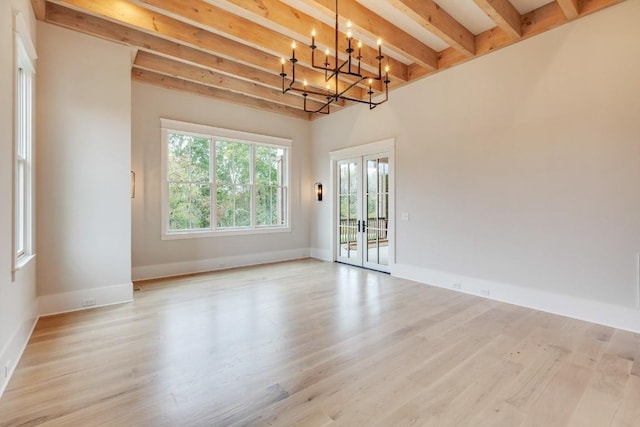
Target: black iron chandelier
point(349, 68)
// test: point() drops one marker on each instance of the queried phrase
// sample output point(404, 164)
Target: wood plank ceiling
point(231, 49)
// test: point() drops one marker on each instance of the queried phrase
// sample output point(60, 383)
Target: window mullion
point(252, 178)
point(213, 185)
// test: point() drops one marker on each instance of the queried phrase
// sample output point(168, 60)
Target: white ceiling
point(525, 6)
point(464, 11)
point(402, 21)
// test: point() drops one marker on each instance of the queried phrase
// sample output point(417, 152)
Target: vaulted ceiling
point(231, 49)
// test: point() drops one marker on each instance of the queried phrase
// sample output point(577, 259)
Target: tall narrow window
point(21, 162)
point(233, 185)
point(23, 134)
point(270, 186)
point(189, 183)
point(219, 181)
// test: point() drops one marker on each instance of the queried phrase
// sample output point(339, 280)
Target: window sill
point(23, 261)
point(226, 233)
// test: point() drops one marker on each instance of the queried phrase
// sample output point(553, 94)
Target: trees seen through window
point(249, 181)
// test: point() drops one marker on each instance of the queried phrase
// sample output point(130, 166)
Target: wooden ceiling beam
point(416, 72)
point(180, 70)
point(431, 16)
point(88, 24)
point(590, 6)
point(153, 23)
point(156, 79)
point(535, 22)
point(39, 7)
point(504, 15)
point(374, 26)
point(138, 20)
point(219, 20)
point(257, 60)
point(287, 17)
point(570, 8)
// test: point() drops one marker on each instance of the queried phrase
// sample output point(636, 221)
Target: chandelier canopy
point(342, 78)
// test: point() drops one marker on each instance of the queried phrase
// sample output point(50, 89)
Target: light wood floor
point(309, 343)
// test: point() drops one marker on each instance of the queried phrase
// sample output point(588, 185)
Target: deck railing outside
point(376, 229)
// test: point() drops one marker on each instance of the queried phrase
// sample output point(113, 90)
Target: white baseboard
point(322, 254)
point(77, 300)
point(12, 352)
point(200, 266)
point(591, 311)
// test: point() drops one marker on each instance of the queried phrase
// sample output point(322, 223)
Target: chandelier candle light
point(346, 68)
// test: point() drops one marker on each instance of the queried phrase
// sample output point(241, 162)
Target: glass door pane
point(348, 210)
point(376, 244)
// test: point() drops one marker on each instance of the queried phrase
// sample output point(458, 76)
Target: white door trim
point(384, 147)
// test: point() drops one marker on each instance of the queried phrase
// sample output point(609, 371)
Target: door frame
point(383, 148)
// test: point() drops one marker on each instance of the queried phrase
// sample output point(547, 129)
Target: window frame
point(23, 137)
point(214, 134)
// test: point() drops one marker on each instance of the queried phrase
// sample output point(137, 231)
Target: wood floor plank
point(320, 344)
point(592, 346)
point(556, 404)
point(604, 394)
point(499, 414)
point(437, 403)
point(626, 345)
point(628, 412)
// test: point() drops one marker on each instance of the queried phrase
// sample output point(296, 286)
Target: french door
point(363, 211)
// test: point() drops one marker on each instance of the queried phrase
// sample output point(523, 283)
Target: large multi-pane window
point(218, 181)
point(23, 135)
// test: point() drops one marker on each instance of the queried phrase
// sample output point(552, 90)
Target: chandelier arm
point(305, 93)
point(313, 57)
point(372, 104)
point(324, 108)
point(386, 96)
point(335, 73)
point(339, 95)
point(346, 73)
point(310, 92)
point(290, 87)
point(293, 69)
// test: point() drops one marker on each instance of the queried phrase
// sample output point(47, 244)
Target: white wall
point(153, 257)
point(520, 170)
point(18, 306)
point(84, 147)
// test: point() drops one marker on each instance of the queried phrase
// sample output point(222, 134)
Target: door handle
point(364, 226)
point(358, 226)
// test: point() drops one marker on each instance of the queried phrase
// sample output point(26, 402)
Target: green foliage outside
point(233, 184)
point(270, 192)
point(190, 190)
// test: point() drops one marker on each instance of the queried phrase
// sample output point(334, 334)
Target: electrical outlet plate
point(7, 366)
point(88, 302)
point(457, 286)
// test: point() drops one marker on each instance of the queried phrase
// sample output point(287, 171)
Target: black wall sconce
point(318, 191)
